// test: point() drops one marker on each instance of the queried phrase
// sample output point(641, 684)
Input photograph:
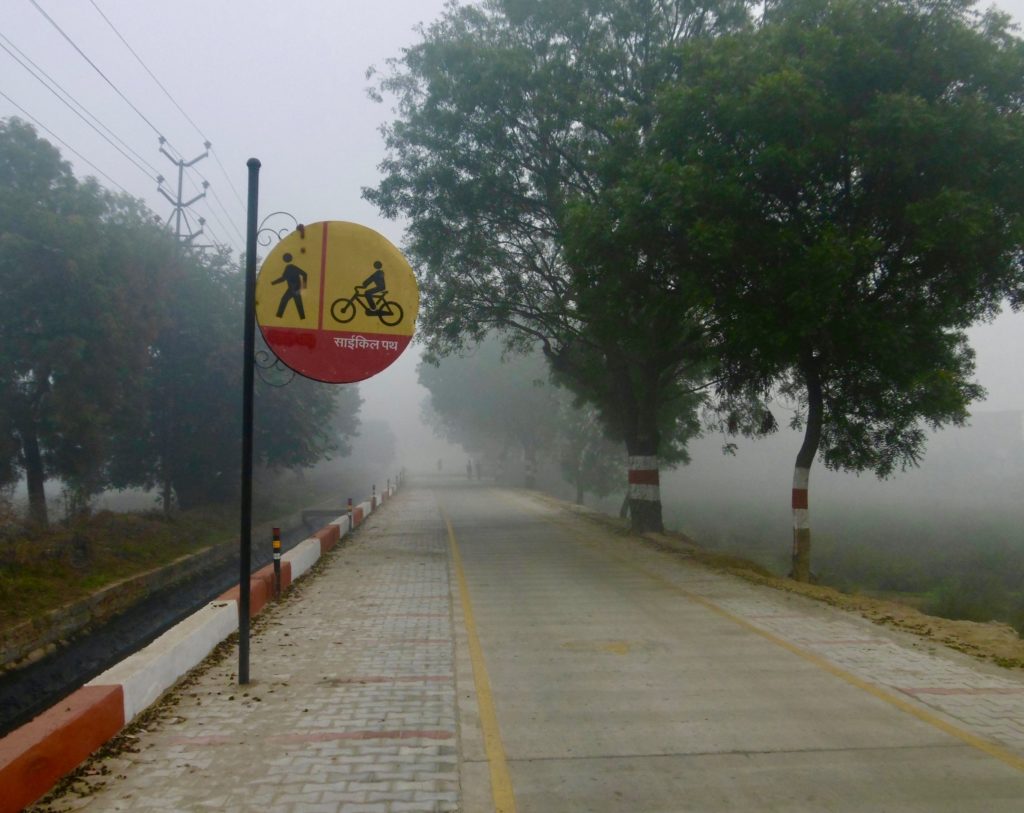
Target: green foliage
point(120, 358)
point(511, 116)
point(846, 182)
point(76, 315)
point(491, 402)
point(589, 460)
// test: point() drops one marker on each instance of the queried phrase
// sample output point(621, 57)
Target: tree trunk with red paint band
point(801, 566)
point(645, 493)
point(801, 526)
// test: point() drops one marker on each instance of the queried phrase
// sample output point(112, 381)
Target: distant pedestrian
point(469, 469)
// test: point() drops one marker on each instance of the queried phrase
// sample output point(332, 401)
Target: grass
point(43, 569)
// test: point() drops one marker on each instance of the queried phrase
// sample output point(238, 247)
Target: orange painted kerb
point(328, 537)
point(35, 756)
point(258, 594)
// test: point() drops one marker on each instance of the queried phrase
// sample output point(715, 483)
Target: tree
point(590, 461)
point(190, 442)
point(848, 180)
point(510, 114)
point(75, 318)
point(490, 402)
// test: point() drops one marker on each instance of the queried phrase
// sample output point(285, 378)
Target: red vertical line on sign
point(323, 279)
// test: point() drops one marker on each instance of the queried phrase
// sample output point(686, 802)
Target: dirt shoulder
point(993, 641)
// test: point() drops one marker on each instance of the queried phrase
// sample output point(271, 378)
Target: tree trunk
point(166, 496)
point(34, 476)
point(644, 493)
point(530, 478)
point(801, 565)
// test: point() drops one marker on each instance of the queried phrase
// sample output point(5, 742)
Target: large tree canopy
point(507, 115)
point(846, 183)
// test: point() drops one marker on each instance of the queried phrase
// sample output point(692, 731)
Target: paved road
point(480, 649)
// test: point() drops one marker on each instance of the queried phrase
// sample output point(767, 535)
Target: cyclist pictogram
point(371, 297)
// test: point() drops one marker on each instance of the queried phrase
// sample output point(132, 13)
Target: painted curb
point(151, 671)
point(303, 556)
point(36, 755)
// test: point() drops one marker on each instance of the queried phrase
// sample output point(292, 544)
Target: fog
point(286, 83)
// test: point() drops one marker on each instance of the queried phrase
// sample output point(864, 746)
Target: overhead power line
point(145, 67)
point(62, 141)
point(174, 101)
point(76, 107)
point(166, 147)
point(95, 67)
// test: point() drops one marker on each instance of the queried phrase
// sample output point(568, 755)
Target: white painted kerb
point(154, 669)
point(303, 556)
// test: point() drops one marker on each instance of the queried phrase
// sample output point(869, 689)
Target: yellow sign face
point(336, 301)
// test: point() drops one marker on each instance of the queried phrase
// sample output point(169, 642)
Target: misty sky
point(283, 82)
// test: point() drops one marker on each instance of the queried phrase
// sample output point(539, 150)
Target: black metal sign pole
point(248, 375)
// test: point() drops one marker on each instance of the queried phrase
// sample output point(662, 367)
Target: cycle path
point(482, 649)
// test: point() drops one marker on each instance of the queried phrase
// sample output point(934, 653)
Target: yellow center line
point(501, 783)
point(980, 743)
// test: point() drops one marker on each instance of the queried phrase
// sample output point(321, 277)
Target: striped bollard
point(277, 563)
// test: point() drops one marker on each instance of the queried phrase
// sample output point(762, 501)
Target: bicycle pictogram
point(344, 310)
point(370, 296)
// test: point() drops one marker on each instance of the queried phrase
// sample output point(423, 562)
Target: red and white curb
point(36, 755)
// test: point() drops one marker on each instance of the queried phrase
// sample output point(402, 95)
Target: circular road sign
point(336, 301)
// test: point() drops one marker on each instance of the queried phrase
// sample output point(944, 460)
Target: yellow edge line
point(501, 782)
point(967, 737)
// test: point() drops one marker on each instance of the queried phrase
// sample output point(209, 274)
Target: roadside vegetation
point(120, 351)
point(44, 568)
point(687, 206)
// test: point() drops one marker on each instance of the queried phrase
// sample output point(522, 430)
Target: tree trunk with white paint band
point(801, 525)
point(644, 493)
point(810, 368)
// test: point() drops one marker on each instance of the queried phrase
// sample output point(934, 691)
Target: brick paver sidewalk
point(351, 707)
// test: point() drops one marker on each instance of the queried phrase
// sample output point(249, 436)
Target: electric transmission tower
point(180, 205)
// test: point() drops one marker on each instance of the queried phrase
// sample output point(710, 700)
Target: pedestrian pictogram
point(349, 303)
point(295, 279)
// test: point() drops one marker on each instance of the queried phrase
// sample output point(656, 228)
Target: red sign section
point(334, 356)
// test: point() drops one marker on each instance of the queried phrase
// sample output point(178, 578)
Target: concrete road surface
point(626, 679)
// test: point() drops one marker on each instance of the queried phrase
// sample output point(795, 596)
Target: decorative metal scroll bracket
point(271, 370)
point(272, 229)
